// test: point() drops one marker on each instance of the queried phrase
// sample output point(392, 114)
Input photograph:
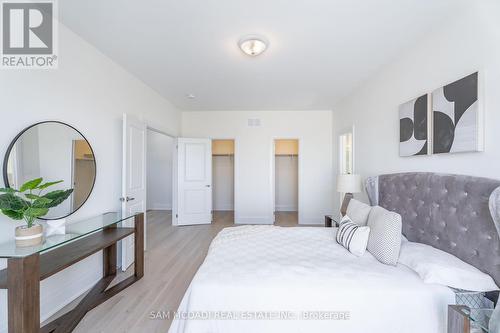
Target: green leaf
point(36, 212)
point(7, 190)
point(9, 201)
point(31, 185)
point(31, 196)
point(44, 186)
point(57, 197)
point(41, 202)
point(15, 215)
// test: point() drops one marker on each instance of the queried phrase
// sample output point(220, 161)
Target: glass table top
point(73, 232)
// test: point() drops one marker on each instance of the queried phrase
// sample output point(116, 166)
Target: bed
point(274, 279)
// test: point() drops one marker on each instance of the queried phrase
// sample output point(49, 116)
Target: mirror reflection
point(54, 151)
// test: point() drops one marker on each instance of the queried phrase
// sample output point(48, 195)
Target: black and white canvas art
point(456, 116)
point(413, 122)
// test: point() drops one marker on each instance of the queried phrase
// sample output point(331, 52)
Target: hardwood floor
point(172, 258)
point(286, 219)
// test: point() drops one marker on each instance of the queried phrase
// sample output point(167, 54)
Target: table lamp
point(348, 184)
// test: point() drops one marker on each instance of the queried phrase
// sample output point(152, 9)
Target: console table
point(27, 266)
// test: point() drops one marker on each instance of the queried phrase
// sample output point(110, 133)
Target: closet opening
point(223, 180)
point(286, 182)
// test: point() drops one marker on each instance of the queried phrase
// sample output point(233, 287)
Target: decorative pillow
point(358, 212)
point(352, 236)
point(385, 235)
point(439, 267)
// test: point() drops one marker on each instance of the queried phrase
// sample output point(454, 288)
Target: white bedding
point(255, 271)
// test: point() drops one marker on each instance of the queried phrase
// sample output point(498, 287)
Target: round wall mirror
point(54, 151)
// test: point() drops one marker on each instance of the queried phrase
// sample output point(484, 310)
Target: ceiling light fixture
point(253, 45)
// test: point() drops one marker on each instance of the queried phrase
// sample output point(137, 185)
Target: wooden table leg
point(109, 258)
point(23, 283)
point(139, 245)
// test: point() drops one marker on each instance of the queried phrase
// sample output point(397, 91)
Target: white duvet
point(260, 279)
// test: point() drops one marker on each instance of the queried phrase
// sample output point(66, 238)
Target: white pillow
point(352, 236)
point(439, 267)
point(358, 212)
point(385, 235)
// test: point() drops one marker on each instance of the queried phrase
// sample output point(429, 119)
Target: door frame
point(272, 178)
point(235, 176)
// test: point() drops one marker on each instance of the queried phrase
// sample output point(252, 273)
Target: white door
point(194, 181)
point(133, 180)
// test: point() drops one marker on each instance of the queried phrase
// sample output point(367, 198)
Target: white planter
point(29, 236)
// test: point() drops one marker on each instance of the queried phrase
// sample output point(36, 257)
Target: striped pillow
point(352, 236)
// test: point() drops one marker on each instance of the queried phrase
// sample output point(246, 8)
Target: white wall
point(223, 182)
point(159, 176)
point(468, 44)
point(254, 158)
point(91, 93)
point(286, 179)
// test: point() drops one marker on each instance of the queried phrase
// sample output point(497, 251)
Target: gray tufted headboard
point(456, 214)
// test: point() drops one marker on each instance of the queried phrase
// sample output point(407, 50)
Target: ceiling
point(320, 50)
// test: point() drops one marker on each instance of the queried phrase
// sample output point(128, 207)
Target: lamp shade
point(347, 183)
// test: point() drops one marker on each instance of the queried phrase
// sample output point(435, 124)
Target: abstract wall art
point(456, 117)
point(413, 127)
point(448, 120)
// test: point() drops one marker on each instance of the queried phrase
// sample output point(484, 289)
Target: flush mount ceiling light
point(253, 45)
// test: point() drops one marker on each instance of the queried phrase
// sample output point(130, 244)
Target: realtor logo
point(28, 34)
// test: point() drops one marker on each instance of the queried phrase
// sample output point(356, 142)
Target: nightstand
point(330, 221)
point(471, 313)
point(462, 319)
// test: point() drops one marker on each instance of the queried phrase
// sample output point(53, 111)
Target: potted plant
point(29, 203)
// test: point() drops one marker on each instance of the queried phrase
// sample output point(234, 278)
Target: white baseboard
point(286, 208)
point(253, 220)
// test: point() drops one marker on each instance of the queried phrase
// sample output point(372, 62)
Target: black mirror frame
point(11, 145)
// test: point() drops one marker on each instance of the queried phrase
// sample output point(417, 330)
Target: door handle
point(207, 185)
point(127, 199)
